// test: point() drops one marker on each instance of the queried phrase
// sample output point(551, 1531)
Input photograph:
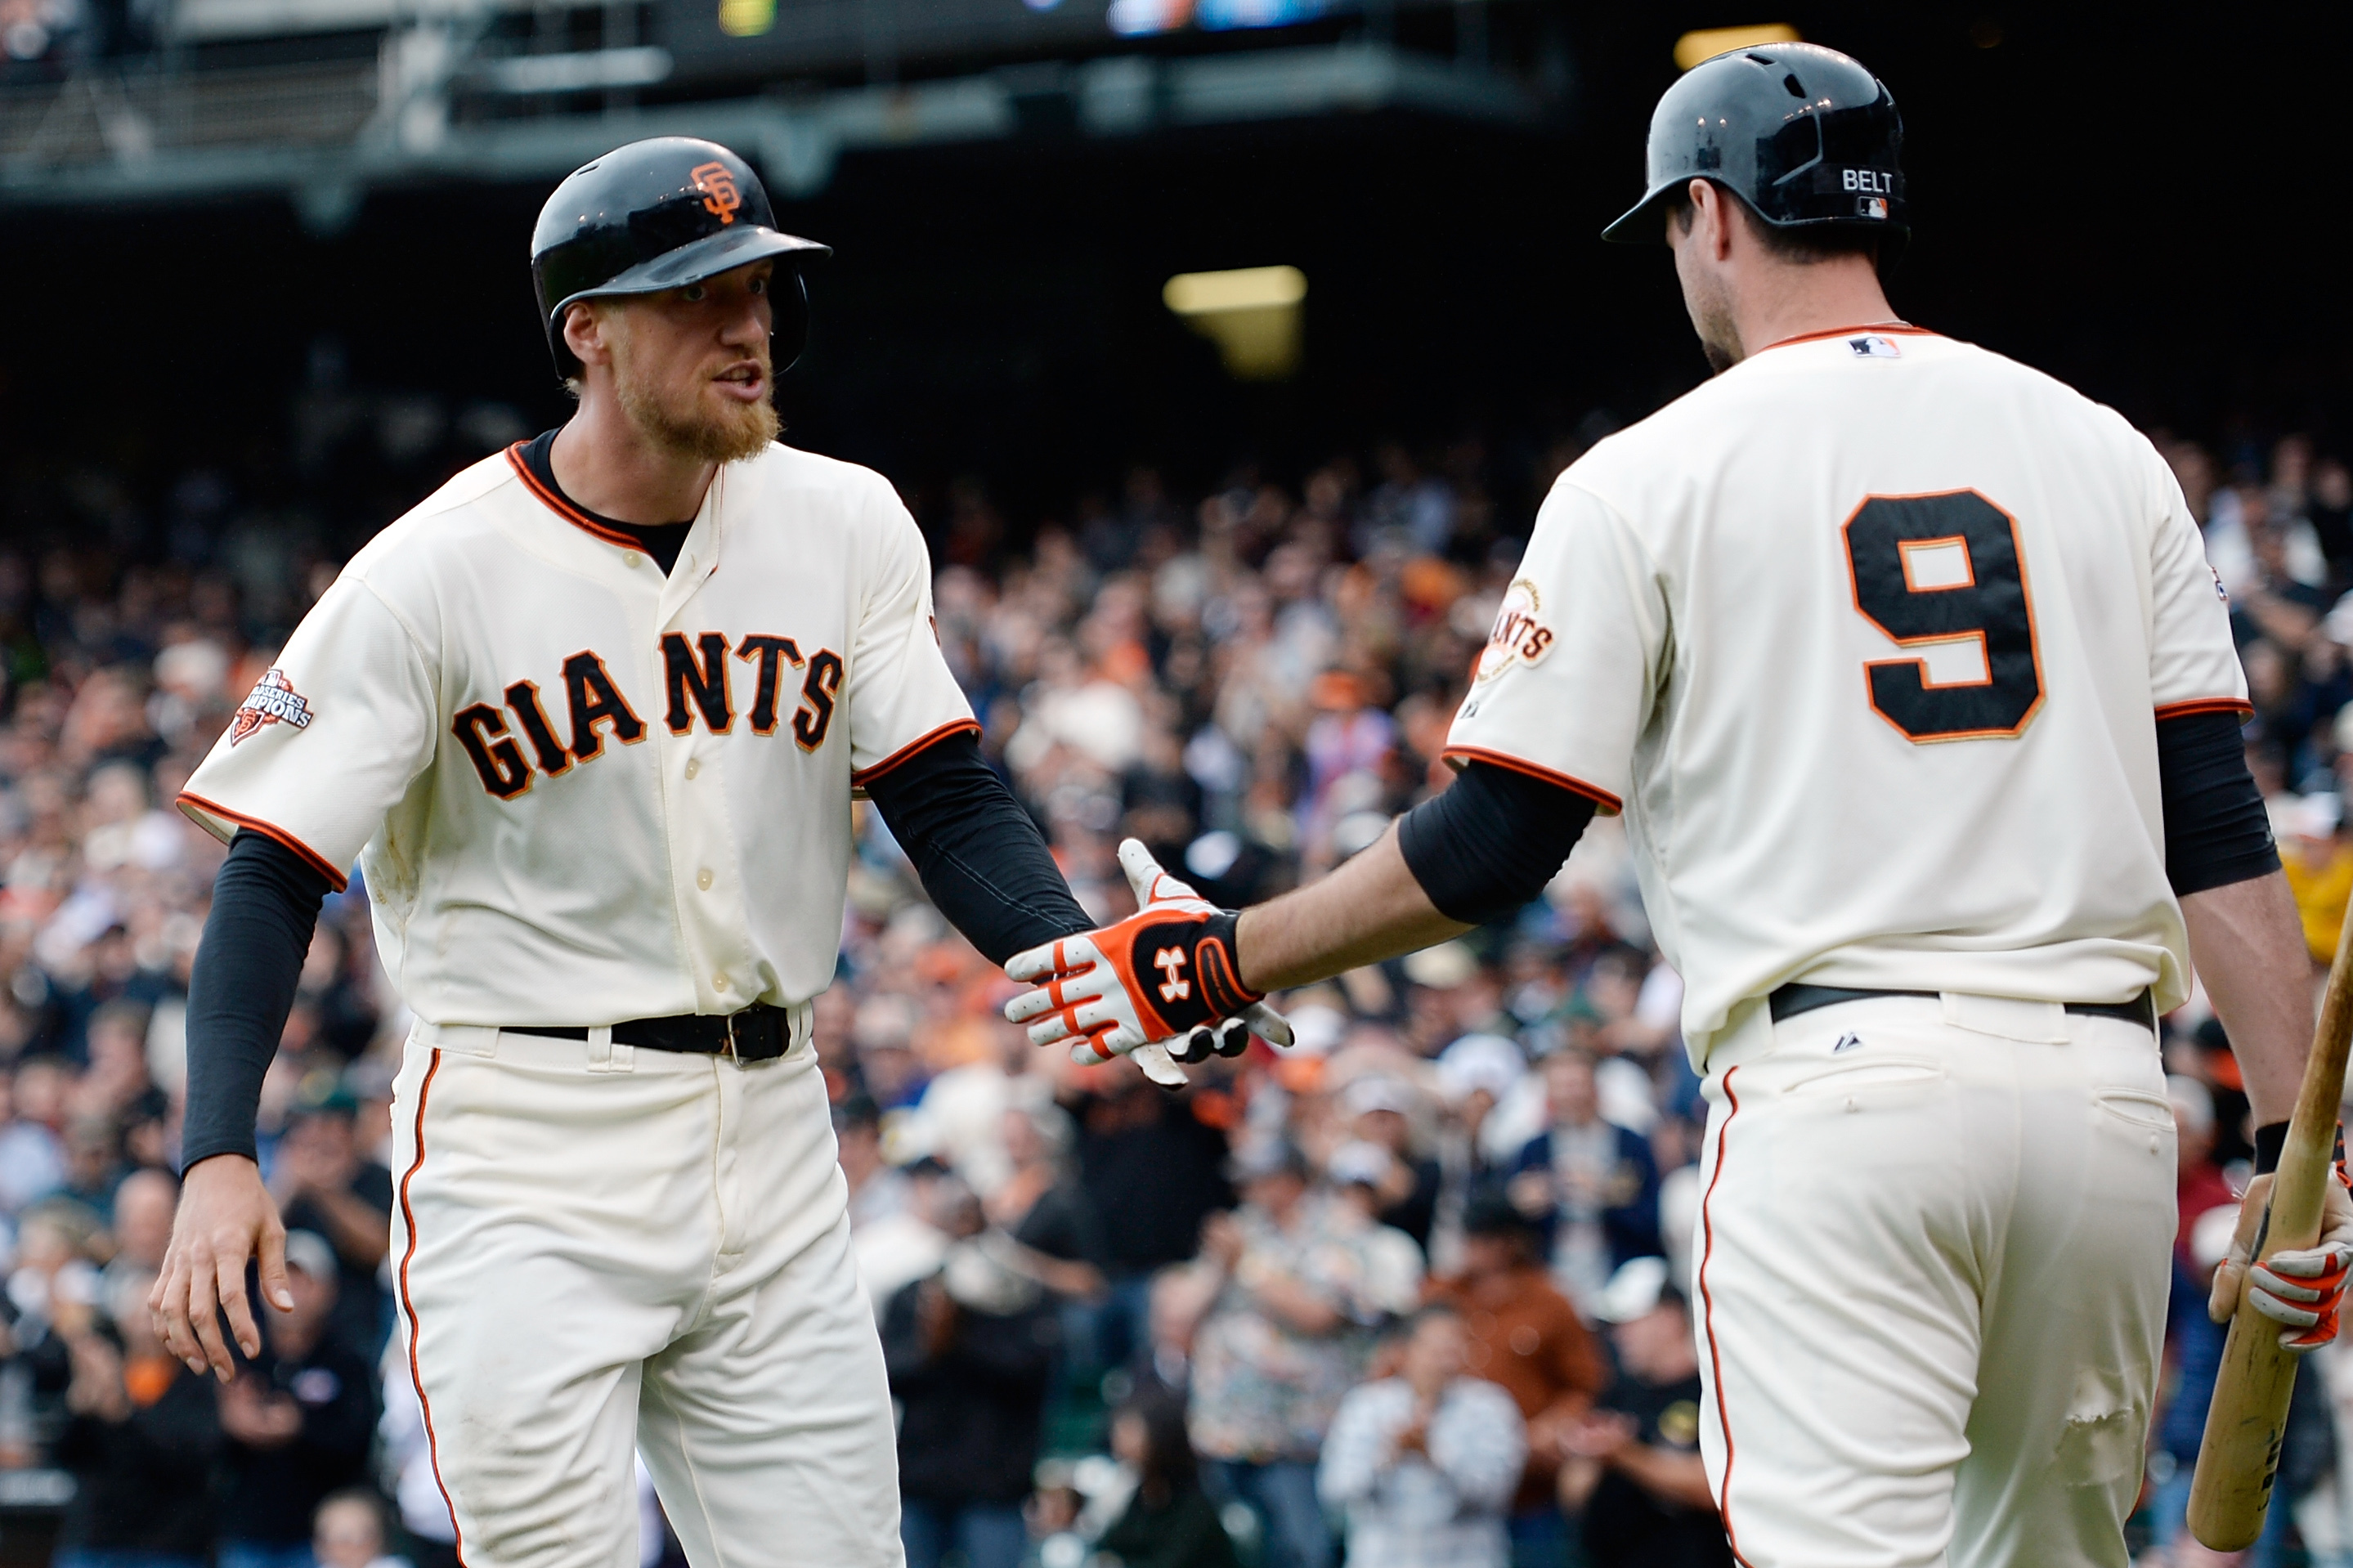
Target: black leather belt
point(1793, 999)
point(758, 1034)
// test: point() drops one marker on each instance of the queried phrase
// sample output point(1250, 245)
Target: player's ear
point(1712, 218)
point(583, 333)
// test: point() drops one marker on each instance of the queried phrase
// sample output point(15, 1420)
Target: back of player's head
point(1806, 139)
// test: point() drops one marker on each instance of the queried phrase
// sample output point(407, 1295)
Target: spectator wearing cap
point(1424, 1464)
point(141, 1438)
point(1526, 1337)
point(1591, 1183)
point(1631, 1468)
point(1378, 1111)
point(2319, 862)
point(1473, 1076)
point(1041, 1204)
point(1284, 1291)
point(1359, 1172)
point(298, 1419)
point(324, 1184)
point(877, 1188)
point(1168, 1166)
point(970, 1349)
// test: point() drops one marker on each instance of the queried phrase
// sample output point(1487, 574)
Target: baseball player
point(1905, 665)
point(591, 718)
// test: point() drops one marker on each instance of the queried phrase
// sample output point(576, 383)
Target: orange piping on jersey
point(1707, 1313)
point(1898, 329)
point(564, 508)
point(868, 775)
point(317, 861)
point(2025, 588)
point(416, 1373)
point(1609, 803)
point(2205, 705)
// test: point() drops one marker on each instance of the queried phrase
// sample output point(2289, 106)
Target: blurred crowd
point(1415, 1291)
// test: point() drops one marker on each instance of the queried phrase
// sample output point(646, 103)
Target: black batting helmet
point(662, 214)
point(1803, 135)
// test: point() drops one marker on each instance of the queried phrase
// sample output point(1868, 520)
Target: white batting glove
point(1160, 986)
point(2303, 1289)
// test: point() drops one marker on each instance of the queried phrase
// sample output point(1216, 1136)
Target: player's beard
point(1709, 303)
point(1711, 316)
point(687, 425)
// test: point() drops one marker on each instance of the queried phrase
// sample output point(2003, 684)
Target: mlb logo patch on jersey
point(274, 701)
point(1871, 345)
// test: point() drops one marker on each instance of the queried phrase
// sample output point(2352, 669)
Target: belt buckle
point(731, 1053)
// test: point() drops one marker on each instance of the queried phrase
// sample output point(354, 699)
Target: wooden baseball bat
point(2239, 1453)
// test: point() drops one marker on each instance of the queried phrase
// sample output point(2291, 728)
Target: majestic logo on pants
point(274, 701)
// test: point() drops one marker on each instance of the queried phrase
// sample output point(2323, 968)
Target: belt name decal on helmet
point(720, 196)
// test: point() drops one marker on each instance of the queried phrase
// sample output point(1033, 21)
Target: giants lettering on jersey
point(697, 679)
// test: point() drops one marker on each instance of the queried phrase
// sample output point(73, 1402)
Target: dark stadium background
point(2144, 200)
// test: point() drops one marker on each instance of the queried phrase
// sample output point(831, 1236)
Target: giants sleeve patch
point(1518, 638)
point(274, 701)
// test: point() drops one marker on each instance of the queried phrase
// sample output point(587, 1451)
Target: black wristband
point(2270, 1139)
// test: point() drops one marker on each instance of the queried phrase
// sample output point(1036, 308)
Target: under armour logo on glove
point(1161, 984)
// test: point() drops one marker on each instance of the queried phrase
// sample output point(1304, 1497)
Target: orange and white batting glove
point(1160, 986)
point(2301, 1290)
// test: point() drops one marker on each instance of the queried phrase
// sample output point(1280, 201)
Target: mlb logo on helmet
point(720, 196)
point(1872, 208)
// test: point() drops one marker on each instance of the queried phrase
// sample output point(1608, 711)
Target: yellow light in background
point(1706, 43)
point(1251, 313)
point(746, 18)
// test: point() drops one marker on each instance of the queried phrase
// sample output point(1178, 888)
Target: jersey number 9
point(1945, 568)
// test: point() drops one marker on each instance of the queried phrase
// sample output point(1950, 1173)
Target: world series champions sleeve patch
point(274, 700)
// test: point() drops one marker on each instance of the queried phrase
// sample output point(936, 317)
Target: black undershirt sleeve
point(265, 906)
point(2216, 830)
point(981, 857)
point(1488, 843)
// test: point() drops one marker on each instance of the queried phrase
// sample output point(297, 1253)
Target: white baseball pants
point(1933, 1256)
point(596, 1248)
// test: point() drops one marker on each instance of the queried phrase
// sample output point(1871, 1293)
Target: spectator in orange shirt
point(1525, 1336)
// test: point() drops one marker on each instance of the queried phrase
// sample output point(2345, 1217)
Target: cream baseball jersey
point(583, 792)
point(1868, 637)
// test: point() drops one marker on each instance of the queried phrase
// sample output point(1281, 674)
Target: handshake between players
point(1161, 986)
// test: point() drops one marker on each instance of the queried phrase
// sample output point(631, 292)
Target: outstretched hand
point(1161, 986)
point(226, 1218)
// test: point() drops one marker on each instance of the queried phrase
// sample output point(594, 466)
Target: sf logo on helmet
point(720, 196)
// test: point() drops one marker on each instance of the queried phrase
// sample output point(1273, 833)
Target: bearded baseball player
point(591, 718)
point(1906, 666)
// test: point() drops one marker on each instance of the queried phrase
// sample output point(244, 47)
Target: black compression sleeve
point(2216, 830)
point(981, 857)
point(1491, 841)
point(265, 905)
